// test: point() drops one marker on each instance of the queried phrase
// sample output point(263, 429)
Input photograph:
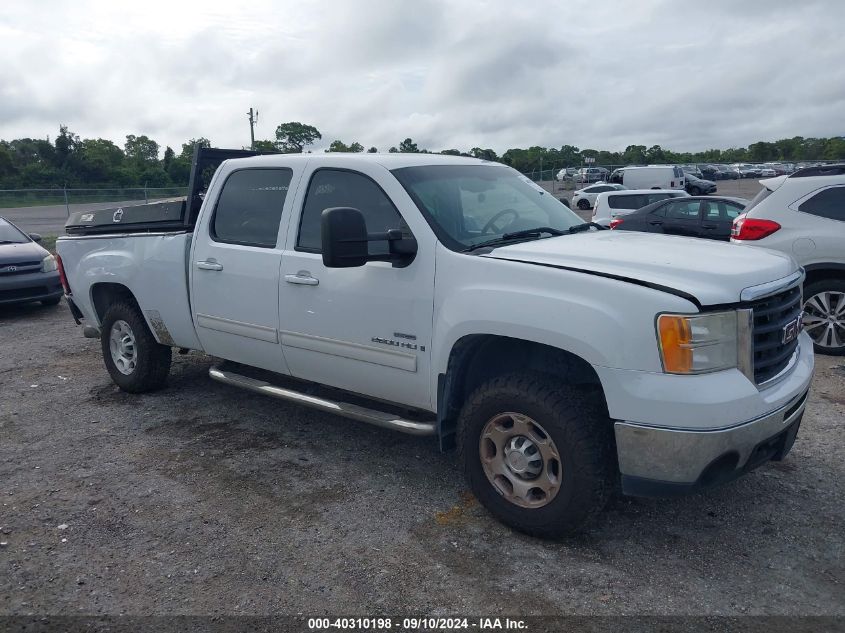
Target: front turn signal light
point(696, 344)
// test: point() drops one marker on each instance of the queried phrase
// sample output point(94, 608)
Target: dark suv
point(27, 271)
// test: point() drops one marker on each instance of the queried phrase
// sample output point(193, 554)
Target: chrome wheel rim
point(122, 347)
point(520, 460)
point(824, 319)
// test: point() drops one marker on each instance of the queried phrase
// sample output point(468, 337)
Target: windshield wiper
point(586, 227)
point(516, 235)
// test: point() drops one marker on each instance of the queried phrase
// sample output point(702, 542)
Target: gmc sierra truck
point(453, 297)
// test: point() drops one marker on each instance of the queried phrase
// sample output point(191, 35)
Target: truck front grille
point(771, 316)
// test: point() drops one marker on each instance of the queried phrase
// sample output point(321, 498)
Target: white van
point(612, 204)
point(649, 177)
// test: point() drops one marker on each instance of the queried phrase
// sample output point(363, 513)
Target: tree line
point(74, 162)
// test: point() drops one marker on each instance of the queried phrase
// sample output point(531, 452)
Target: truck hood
point(707, 272)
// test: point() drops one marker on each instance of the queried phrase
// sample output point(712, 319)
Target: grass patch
point(49, 242)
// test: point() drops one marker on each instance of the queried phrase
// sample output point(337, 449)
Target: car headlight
point(696, 344)
point(48, 264)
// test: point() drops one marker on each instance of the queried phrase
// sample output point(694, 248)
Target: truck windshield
point(469, 204)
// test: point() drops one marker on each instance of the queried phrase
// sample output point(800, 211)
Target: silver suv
point(804, 215)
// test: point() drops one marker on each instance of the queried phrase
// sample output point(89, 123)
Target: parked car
point(586, 197)
point(610, 205)
point(649, 177)
point(803, 216)
point(28, 272)
point(727, 173)
point(709, 172)
point(766, 171)
point(698, 186)
point(567, 173)
point(388, 289)
point(692, 169)
point(747, 171)
point(591, 174)
point(696, 216)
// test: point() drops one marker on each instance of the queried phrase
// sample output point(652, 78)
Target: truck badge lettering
point(401, 344)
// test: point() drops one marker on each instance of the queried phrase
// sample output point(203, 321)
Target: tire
point(578, 426)
point(51, 302)
point(831, 293)
point(150, 361)
point(584, 204)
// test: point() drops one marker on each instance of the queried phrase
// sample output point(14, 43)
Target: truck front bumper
point(661, 462)
point(680, 434)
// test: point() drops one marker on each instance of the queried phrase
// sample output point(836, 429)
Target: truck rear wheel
point(135, 361)
point(538, 455)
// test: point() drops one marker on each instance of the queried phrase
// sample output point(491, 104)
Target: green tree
point(265, 146)
point(408, 147)
point(340, 146)
point(294, 137)
point(634, 155)
point(372, 150)
point(483, 154)
point(99, 161)
point(141, 150)
point(393, 150)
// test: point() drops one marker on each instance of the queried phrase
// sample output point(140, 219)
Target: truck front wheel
point(538, 455)
point(135, 361)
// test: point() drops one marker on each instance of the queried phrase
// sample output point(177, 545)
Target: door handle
point(709, 226)
point(656, 223)
point(209, 264)
point(303, 277)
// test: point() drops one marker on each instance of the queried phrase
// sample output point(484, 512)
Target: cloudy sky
point(448, 73)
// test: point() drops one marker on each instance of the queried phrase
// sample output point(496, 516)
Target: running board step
point(355, 412)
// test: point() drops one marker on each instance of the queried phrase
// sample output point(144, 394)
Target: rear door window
point(829, 203)
point(635, 201)
point(683, 210)
point(249, 208)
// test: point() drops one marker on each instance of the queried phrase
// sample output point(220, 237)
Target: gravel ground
point(202, 499)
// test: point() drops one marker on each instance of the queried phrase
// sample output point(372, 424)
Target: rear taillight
point(745, 228)
point(616, 222)
point(62, 276)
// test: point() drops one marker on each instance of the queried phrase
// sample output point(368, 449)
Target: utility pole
point(253, 117)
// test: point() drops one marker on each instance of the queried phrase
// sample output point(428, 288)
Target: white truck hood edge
point(712, 273)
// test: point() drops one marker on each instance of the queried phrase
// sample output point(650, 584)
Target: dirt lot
point(201, 499)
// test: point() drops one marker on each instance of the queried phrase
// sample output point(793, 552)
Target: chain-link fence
point(66, 197)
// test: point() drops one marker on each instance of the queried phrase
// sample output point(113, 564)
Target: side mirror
point(35, 237)
point(343, 233)
point(344, 238)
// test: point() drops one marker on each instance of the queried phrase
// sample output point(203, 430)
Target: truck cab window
point(340, 188)
point(249, 209)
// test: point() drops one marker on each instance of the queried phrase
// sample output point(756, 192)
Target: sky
point(599, 74)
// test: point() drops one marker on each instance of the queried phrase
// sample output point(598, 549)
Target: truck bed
point(153, 265)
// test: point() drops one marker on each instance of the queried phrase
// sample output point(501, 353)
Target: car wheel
point(583, 204)
point(824, 315)
point(135, 361)
point(537, 454)
point(694, 191)
point(51, 302)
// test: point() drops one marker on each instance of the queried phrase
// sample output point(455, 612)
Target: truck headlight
point(48, 264)
point(696, 344)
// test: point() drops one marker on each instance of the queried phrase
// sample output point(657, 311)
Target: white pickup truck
point(453, 297)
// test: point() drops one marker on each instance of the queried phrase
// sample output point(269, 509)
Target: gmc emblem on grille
point(791, 331)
